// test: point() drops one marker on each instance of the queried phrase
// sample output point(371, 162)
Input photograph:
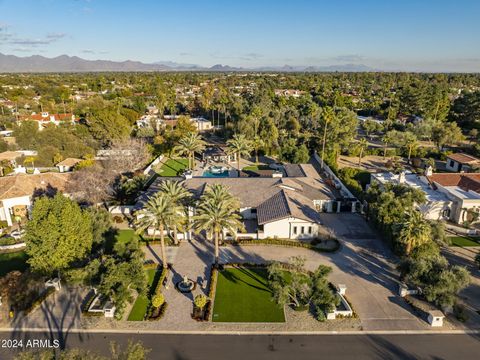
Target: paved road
point(278, 347)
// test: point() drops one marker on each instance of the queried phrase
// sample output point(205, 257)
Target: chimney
point(429, 171)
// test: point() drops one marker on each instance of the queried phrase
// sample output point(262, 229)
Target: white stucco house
point(16, 193)
point(461, 162)
point(287, 208)
point(454, 197)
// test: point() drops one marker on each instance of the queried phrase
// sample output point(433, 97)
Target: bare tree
point(125, 156)
point(92, 185)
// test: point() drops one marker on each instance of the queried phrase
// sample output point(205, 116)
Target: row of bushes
point(287, 243)
point(157, 291)
point(39, 300)
point(211, 291)
point(151, 241)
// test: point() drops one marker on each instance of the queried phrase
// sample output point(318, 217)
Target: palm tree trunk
point(385, 150)
point(175, 235)
point(162, 245)
point(238, 164)
point(408, 249)
point(216, 248)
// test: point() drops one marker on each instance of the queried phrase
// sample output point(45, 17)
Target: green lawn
point(125, 236)
point(13, 261)
point(256, 167)
point(173, 167)
point(464, 241)
point(141, 303)
point(242, 295)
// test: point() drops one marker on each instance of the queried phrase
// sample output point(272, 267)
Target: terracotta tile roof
point(465, 181)
point(463, 158)
point(39, 117)
point(25, 185)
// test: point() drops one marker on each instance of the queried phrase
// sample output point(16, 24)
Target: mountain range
point(65, 63)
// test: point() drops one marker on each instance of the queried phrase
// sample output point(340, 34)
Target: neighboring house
point(271, 207)
point(16, 193)
point(67, 165)
point(202, 124)
point(10, 157)
point(43, 119)
point(438, 205)
point(464, 191)
point(454, 197)
point(462, 162)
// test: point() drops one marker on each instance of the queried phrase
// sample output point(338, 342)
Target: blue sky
point(419, 35)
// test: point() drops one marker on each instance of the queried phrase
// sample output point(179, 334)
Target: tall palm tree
point(387, 139)
point(159, 214)
point(177, 193)
point(188, 145)
point(413, 231)
point(411, 143)
point(363, 143)
point(239, 146)
point(217, 212)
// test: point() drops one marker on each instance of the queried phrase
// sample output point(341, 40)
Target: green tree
point(413, 230)
point(363, 144)
point(216, 213)
point(179, 196)
point(188, 145)
point(58, 233)
point(239, 146)
point(157, 214)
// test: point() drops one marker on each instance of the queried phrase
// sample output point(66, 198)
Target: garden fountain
point(185, 285)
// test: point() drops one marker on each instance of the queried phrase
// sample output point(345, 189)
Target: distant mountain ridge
point(65, 63)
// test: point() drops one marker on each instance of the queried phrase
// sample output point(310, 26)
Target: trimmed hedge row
point(151, 241)
point(287, 243)
point(156, 291)
point(211, 292)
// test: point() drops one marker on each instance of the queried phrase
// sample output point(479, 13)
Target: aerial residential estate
point(239, 180)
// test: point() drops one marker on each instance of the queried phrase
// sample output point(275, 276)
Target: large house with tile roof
point(16, 193)
point(463, 189)
point(271, 207)
point(461, 162)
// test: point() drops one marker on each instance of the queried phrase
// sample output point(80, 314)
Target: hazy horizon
point(412, 35)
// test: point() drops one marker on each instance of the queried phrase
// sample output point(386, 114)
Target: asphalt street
point(252, 347)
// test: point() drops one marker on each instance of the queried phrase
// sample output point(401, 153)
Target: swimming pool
point(215, 171)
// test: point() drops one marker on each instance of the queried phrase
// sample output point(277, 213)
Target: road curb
point(220, 332)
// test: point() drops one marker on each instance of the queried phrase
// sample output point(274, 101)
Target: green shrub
point(158, 300)
point(460, 313)
point(200, 301)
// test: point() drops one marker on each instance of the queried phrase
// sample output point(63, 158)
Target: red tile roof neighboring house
point(41, 117)
point(465, 181)
point(464, 158)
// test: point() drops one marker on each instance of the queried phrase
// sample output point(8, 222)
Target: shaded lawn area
point(464, 241)
point(13, 261)
point(173, 167)
point(119, 236)
point(256, 167)
point(242, 295)
point(140, 306)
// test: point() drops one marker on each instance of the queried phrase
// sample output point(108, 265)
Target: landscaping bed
point(242, 295)
point(140, 307)
point(317, 244)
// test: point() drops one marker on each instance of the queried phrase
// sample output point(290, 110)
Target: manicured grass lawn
point(173, 167)
point(125, 236)
point(141, 303)
point(13, 261)
point(464, 241)
point(256, 167)
point(242, 295)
